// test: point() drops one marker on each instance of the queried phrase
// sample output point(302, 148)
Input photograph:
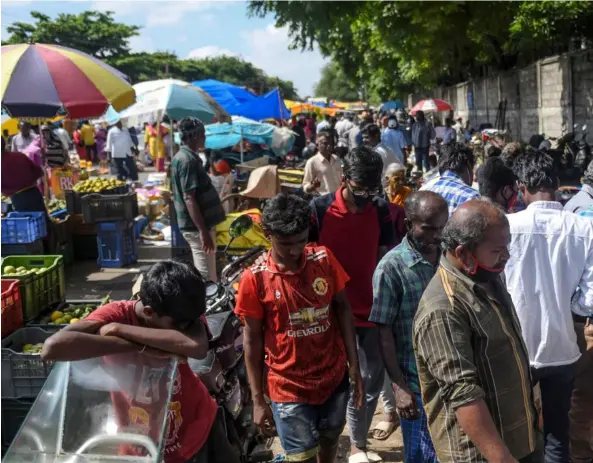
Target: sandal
point(384, 427)
point(373, 457)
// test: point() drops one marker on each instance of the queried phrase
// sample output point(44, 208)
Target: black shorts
point(217, 448)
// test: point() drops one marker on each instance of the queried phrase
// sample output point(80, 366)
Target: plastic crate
point(23, 227)
point(109, 208)
point(116, 244)
point(85, 247)
point(63, 230)
point(42, 291)
point(66, 250)
point(23, 375)
point(139, 223)
point(12, 310)
point(14, 412)
point(36, 247)
point(74, 199)
point(39, 321)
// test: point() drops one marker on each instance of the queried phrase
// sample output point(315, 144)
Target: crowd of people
point(452, 305)
point(484, 295)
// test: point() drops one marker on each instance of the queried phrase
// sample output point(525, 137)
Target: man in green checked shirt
point(398, 284)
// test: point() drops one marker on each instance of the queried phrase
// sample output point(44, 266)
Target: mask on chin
point(483, 274)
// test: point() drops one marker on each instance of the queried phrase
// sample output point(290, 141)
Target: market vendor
point(19, 181)
point(197, 203)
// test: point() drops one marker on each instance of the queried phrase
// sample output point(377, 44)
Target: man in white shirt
point(120, 145)
point(550, 272)
point(371, 136)
point(24, 138)
point(342, 128)
point(323, 172)
point(324, 124)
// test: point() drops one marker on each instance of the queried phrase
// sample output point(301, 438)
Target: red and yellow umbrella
point(42, 80)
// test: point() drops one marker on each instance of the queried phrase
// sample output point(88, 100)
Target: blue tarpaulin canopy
point(226, 95)
point(389, 105)
point(269, 106)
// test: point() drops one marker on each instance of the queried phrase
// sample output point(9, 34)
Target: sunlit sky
point(194, 29)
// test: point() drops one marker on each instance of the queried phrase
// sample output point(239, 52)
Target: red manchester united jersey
point(306, 357)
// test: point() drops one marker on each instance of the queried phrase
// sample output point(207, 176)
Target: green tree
point(92, 32)
point(398, 47)
point(335, 85)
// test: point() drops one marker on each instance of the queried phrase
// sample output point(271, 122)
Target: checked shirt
point(398, 284)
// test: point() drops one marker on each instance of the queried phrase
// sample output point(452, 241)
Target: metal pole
point(241, 143)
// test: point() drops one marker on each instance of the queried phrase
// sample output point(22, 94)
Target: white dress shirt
point(329, 173)
point(550, 271)
point(119, 143)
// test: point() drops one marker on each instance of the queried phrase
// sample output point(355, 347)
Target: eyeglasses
point(357, 191)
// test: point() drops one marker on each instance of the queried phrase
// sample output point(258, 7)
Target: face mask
point(483, 274)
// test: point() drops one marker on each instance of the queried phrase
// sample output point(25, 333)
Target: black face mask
point(361, 201)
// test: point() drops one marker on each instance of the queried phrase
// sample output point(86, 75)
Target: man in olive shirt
point(472, 363)
point(197, 203)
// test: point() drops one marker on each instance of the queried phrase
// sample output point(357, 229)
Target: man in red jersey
point(357, 227)
point(295, 312)
point(165, 322)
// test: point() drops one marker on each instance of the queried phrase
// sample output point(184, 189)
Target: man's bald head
point(469, 224)
point(423, 204)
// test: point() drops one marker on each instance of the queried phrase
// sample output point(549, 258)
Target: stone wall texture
point(548, 97)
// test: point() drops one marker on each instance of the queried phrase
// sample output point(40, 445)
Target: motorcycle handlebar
point(236, 264)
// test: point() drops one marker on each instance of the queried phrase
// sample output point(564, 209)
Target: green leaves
point(394, 47)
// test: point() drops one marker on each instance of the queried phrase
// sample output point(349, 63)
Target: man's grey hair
point(467, 226)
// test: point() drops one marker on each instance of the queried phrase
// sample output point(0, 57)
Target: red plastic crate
point(12, 311)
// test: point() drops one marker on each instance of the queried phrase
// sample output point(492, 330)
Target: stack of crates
point(114, 218)
point(23, 233)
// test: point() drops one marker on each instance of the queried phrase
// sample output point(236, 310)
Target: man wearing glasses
point(355, 224)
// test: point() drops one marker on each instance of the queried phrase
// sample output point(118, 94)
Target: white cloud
point(169, 13)
point(120, 8)
point(268, 48)
point(210, 51)
point(142, 43)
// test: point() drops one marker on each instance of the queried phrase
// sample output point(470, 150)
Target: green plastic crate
point(38, 292)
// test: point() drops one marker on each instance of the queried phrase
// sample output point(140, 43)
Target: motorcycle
point(223, 370)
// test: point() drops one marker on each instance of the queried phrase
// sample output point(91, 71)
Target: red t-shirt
point(191, 411)
point(305, 351)
point(354, 238)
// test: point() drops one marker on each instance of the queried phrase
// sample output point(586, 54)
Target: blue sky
point(194, 29)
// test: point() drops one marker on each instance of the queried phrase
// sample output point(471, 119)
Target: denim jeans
point(556, 384)
point(373, 374)
point(422, 158)
point(300, 425)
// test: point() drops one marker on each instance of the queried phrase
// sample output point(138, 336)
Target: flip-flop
point(359, 457)
point(385, 426)
point(373, 457)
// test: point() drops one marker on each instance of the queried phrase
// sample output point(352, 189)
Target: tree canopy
point(335, 85)
point(99, 35)
point(391, 48)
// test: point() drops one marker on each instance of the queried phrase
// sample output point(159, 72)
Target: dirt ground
point(391, 450)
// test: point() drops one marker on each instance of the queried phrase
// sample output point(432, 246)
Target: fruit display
point(32, 348)
point(71, 314)
point(96, 185)
point(10, 271)
point(55, 205)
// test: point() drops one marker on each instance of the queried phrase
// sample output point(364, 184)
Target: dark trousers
point(217, 448)
point(556, 385)
point(422, 158)
point(91, 153)
point(126, 168)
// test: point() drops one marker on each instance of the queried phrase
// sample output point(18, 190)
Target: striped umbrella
point(431, 105)
point(41, 80)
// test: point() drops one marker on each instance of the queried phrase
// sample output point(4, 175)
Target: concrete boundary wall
point(546, 97)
